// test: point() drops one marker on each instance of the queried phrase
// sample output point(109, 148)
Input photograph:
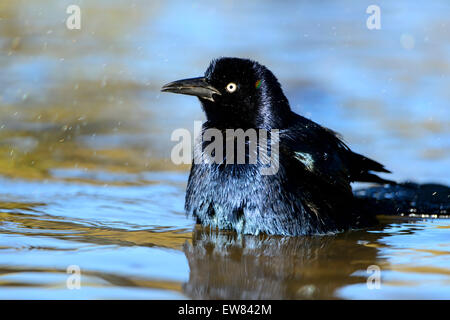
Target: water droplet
point(407, 41)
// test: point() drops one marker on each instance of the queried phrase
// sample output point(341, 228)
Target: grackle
point(310, 193)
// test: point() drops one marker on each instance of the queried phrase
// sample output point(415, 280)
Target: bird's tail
point(408, 199)
point(362, 167)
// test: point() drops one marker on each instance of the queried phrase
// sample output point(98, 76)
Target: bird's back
point(309, 194)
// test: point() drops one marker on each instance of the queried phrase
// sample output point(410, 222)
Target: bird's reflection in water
point(224, 265)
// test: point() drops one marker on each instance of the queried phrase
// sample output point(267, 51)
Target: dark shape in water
point(225, 265)
point(409, 199)
point(311, 191)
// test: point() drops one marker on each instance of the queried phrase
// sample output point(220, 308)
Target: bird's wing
point(314, 155)
point(361, 167)
point(313, 165)
point(322, 153)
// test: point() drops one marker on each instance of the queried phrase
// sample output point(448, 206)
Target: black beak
point(194, 87)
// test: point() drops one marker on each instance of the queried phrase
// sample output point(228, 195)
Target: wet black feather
point(310, 193)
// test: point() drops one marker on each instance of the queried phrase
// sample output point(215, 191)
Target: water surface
point(85, 171)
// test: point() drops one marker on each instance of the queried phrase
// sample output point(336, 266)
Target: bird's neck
point(267, 115)
point(274, 111)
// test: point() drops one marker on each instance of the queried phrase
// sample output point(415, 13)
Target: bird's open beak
point(193, 86)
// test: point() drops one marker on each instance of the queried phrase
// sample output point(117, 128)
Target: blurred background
point(90, 98)
point(85, 166)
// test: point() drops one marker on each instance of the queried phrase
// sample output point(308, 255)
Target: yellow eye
point(231, 87)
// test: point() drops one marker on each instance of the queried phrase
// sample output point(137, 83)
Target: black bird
point(309, 194)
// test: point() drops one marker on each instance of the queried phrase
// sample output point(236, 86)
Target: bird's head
point(237, 93)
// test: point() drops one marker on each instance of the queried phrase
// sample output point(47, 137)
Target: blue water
point(85, 172)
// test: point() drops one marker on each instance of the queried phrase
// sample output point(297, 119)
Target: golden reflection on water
point(47, 225)
point(94, 279)
point(49, 125)
point(89, 101)
point(223, 265)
